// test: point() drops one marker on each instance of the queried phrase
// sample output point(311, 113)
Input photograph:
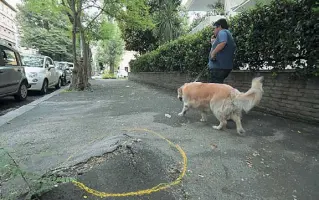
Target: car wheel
point(22, 93)
point(58, 85)
point(45, 86)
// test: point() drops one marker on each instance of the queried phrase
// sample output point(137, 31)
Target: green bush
point(282, 33)
point(108, 75)
point(186, 54)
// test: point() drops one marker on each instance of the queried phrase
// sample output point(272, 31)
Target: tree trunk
point(85, 53)
point(89, 62)
point(74, 82)
point(112, 67)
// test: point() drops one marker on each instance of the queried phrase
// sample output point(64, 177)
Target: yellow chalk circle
point(159, 187)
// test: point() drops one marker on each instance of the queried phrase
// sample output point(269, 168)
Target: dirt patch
point(133, 166)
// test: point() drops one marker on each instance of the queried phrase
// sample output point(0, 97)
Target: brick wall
point(296, 99)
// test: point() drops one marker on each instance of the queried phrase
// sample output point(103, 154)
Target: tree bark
point(74, 82)
point(89, 62)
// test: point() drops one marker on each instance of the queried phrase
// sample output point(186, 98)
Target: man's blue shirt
point(224, 58)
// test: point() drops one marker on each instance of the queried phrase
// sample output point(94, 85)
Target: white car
point(41, 73)
point(122, 73)
point(65, 70)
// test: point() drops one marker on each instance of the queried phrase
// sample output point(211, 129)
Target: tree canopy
point(45, 29)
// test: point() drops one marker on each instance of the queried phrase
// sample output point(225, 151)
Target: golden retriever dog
point(224, 101)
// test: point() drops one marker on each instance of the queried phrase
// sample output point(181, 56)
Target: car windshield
point(32, 61)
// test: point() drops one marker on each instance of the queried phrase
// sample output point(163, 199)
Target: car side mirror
point(51, 66)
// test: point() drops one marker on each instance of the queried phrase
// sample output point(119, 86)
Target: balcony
point(231, 8)
point(206, 22)
point(229, 5)
point(200, 5)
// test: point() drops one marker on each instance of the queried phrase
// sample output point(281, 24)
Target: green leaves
point(45, 29)
point(110, 45)
point(166, 22)
point(278, 34)
point(186, 54)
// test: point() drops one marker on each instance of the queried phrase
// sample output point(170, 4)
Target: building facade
point(8, 28)
point(231, 8)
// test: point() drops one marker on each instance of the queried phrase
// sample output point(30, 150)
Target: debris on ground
point(214, 146)
point(168, 115)
point(256, 154)
point(249, 162)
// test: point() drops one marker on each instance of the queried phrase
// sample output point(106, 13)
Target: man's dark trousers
point(218, 75)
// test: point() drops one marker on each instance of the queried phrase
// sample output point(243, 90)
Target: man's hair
point(221, 22)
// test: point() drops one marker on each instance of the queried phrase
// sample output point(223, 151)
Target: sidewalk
point(110, 140)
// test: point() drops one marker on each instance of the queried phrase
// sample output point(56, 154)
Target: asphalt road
point(107, 140)
point(8, 104)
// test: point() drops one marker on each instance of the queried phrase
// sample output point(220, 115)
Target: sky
point(13, 2)
point(183, 2)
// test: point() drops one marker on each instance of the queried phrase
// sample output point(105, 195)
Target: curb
point(23, 109)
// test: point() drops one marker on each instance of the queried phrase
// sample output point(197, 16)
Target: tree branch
point(101, 11)
point(67, 13)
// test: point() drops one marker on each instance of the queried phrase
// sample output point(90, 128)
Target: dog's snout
point(180, 98)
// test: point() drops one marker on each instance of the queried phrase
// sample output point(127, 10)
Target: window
point(50, 61)
point(9, 57)
point(126, 69)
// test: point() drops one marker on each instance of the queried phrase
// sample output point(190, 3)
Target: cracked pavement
point(278, 159)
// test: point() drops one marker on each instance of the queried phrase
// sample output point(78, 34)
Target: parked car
point(122, 74)
point(13, 81)
point(41, 73)
point(65, 70)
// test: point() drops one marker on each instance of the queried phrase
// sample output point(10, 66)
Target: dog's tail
point(252, 97)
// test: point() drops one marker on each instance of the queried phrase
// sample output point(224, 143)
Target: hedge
point(284, 32)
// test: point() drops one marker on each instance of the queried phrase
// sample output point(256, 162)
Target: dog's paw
point(216, 127)
point(180, 114)
point(241, 132)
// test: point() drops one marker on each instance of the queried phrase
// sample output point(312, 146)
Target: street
point(8, 104)
point(124, 140)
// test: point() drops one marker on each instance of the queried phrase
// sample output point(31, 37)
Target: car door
point(49, 72)
point(53, 70)
point(11, 72)
point(69, 71)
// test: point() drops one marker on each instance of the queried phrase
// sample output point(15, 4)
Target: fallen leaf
point(168, 115)
point(255, 154)
point(85, 197)
point(249, 162)
point(200, 175)
point(214, 146)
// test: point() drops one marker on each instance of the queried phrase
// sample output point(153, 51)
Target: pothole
point(133, 166)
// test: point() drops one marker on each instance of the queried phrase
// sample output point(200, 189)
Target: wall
point(127, 57)
point(7, 22)
point(282, 96)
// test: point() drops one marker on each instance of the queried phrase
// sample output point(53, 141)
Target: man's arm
point(223, 40)
point(218, 48)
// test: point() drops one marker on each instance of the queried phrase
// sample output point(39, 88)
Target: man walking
point(222, 52)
